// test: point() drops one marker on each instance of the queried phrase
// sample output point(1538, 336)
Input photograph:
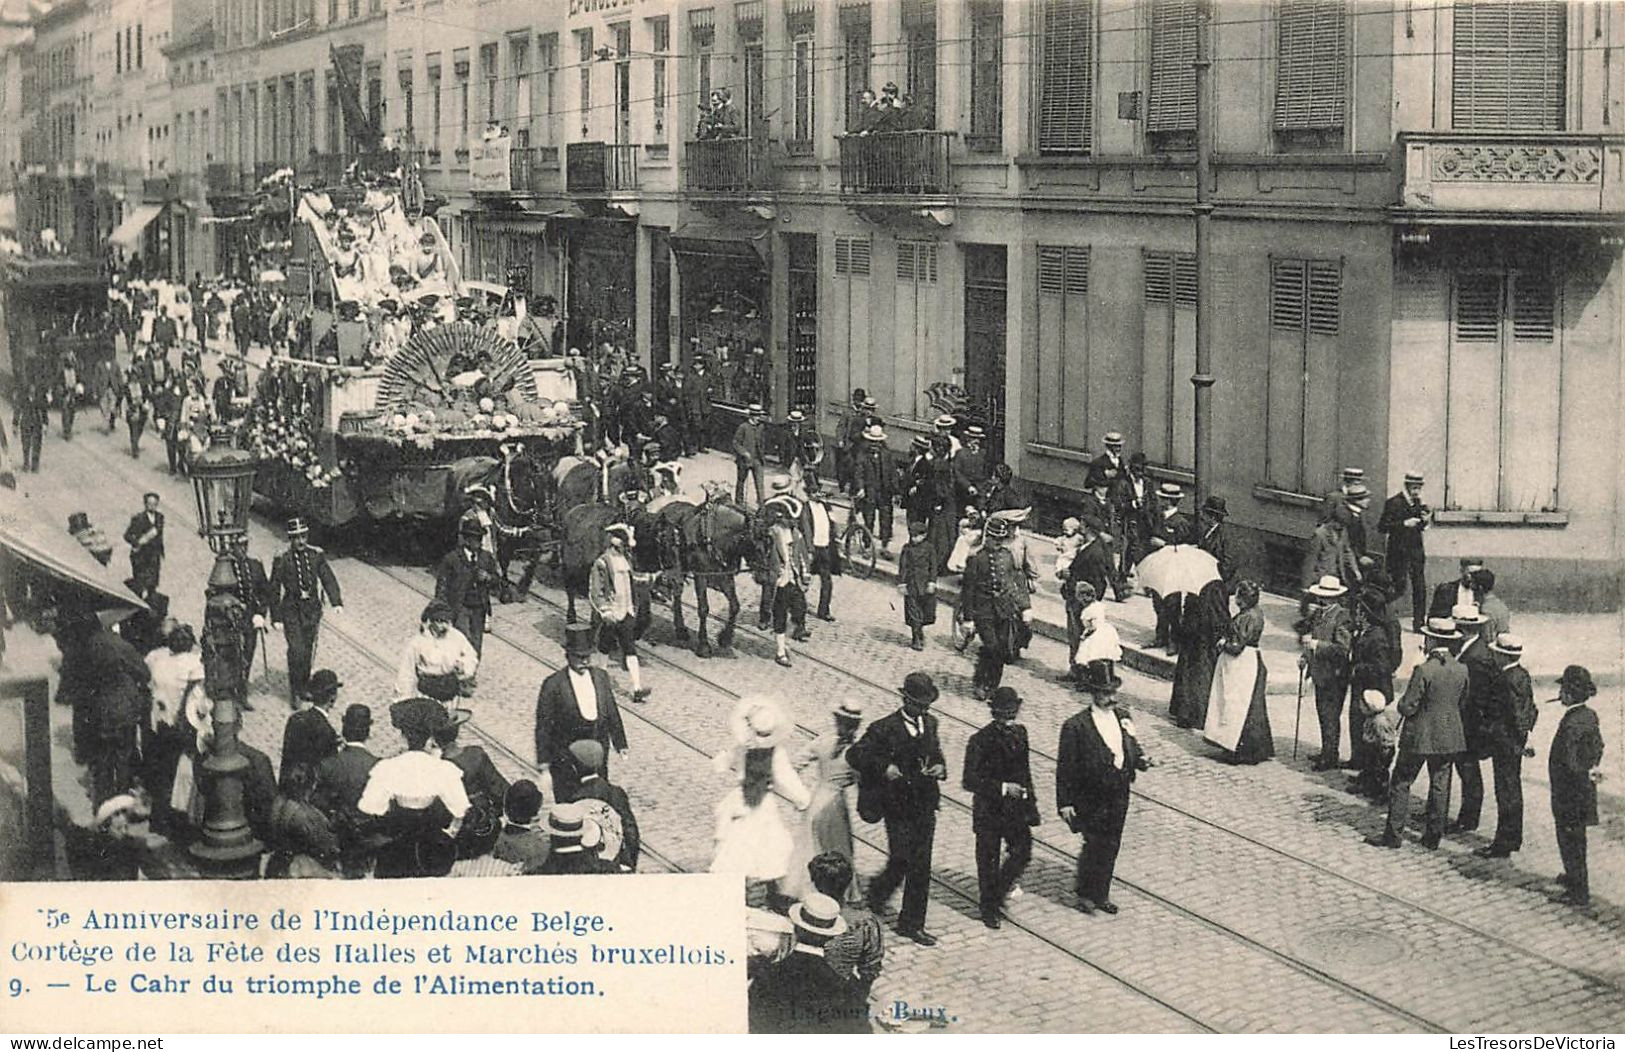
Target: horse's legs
point(725, 638)
point(679, 629)
point(703, 602)
point(528, 575)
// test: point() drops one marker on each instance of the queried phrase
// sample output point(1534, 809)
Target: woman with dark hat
point(1238, 720)
point(1576, 751)
point(418, 795)
point(829, 822)
point(1197, 632)
point(439, 662)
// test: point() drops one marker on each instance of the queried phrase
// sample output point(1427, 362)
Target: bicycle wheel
point(859, 549)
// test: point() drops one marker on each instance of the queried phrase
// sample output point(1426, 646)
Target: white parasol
point(1175, 569)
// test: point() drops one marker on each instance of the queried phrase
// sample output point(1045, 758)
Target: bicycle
point(858, 546)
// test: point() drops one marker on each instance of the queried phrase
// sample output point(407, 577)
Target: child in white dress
point(1098, 641)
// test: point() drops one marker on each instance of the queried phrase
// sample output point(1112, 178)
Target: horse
point(714, 542)
point(583, 528)
point(521, 511)
point(582, 480)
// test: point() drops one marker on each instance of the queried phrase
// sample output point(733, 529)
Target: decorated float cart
point(389, 404)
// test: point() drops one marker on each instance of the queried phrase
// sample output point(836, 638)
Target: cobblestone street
point(1248, 901)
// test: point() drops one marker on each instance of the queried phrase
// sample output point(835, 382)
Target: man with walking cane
point(1431, 734)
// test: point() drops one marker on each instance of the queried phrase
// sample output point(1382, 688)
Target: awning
point(128, 233)
point(53, 551)
point(744, 252)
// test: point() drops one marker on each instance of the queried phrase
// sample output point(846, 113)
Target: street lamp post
point(223, 483)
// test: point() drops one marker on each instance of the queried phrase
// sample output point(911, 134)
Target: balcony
point(600, 168)
point(1510, 176)
point(223, 179)
point(728, 166)
point(909, 163)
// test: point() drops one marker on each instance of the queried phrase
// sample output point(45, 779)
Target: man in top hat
point(464, 579)
point(572, 849)
point(998, 775)
point(747, 447)
point(1509, 721)
point(481, 499)
point(802, 994)
point(1168, 526)
point(1431, 734)
point(342, 777)
point(300, 577)
point(1098, 759)
point(145, 536)
point(606, 804)
point(874, 484)
point(612, 592)
point(1210, 535)
point(900, 763)
point(1404, 518)
point(996, 596)
point(1325, 639)
point(577, 702)
point(786, 570)
point(1575, 752)
point(1450, 594)
point(309, 736)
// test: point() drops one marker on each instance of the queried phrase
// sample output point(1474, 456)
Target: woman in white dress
point(438, 662)
point(751, 838)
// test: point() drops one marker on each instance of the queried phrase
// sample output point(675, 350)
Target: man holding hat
point(576, 702)
point(612, 592)
point(1576, 751)
point(1431, 734)
point(874, 484)
point(747, 447)
point(998, 775)
point(1404, 518)
point(802, 994)
point(463, 580)
point(997, 598)
point(606, 804)
point(300, 577)
point(342, 777)
point(1098, 759)
point(1509, 719)
point(786, 570)
point(900, 763)
point(572, 844)
point(309, 736)
point(1326, 637)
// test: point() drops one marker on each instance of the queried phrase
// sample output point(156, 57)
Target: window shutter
point(1325, 297)
point(860, 257)
point(1286, 294)
point(1478, 308)
point(1533, 309)
point(1172, 106)
point(905, 260)
point(748, 20)
point(843, 255)
point(1066, 92)
point(1051, 270)
point(1509, 65)
point(1077, 271)
point(1185, 280)
point(1159, 277)
point(916, 262)
point(1311, 57)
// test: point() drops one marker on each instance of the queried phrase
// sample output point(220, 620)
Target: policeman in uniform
point(254, 589)
point(996, 595)
point(300, 577)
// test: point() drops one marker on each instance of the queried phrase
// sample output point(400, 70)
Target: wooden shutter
point(1531, 400)
point(1172, 106)
point(1509, 65)
point(1311, 65)
point(1066, 89)
point(1062, 390)
point(1478, 308)
point(850, 324)
point(916, 320)
point(1300, 442)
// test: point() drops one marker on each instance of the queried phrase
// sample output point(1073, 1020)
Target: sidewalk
point(1551, 642)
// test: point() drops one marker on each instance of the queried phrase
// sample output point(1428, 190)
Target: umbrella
point(272, 277)
point(56, 554)
point(1177, 568)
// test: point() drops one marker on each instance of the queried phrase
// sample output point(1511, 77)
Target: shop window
point(1300, 415)
point(1168, 346)
point(1063, 345)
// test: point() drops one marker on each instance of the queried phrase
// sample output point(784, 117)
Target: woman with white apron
point(1237, 719)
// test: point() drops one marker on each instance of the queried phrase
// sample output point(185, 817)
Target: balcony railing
point(728, 166)
point(909, 162)
point(600, 167)
point(1554, 172)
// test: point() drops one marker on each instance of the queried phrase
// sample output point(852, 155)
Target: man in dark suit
point(309, 736)
point(1451, 594)
point(1109, 465)
point(1430, 735)
point(593, 790)
point(802, 994)
point(1511, 716)
point(577, 702)
point(145, 536)
point(1404, 517)
point(259, 791)
point(1211, 539)
point(1576, 751)
point(1168, 525)
point(874, 484)
point(899, 763)
point(300, 577)
point(1476, 712)
point(696, 402)
point(464, 579)
point(341, 777)
point(747, 449)
point(998, 775)
point(1099, 757)
point(254, 589)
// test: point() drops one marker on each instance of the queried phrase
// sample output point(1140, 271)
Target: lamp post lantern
point(223, 483)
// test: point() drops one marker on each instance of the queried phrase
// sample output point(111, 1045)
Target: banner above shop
point(488, 168)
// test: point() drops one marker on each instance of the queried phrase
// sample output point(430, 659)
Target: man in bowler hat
point(1576, 751)
point(1099, 757)
point(998, 775)
point(464, 579)
point(899, 763)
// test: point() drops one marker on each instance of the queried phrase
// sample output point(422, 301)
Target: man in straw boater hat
point(1404, 519)
point(1473, 652)
point(874, 484)
point(998, 775)
point(802, 994)
point(481, 499)
point(572, 848)
point(900, 765)
point(1168, 526)
point(612, 591)
point(1430, 735)
point(747, 450)
point(1098, 759)
point(1326, 636)
point(1573, 756)
point(300, 577)
point(576, 702)
point(1511, 715)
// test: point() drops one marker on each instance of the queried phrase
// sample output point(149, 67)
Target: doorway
point(985, 290)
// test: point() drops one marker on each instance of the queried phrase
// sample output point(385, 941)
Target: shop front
point(725, 310)
point(601, 300)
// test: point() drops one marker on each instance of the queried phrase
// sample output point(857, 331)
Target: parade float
point(396, 388)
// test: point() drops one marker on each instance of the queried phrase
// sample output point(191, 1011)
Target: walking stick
point(265, 661)
point(1297, 724)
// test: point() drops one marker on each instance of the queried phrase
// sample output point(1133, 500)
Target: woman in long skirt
point(751, 838)
point(1237, 719)
point(1198, 630)
point(829, 823)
